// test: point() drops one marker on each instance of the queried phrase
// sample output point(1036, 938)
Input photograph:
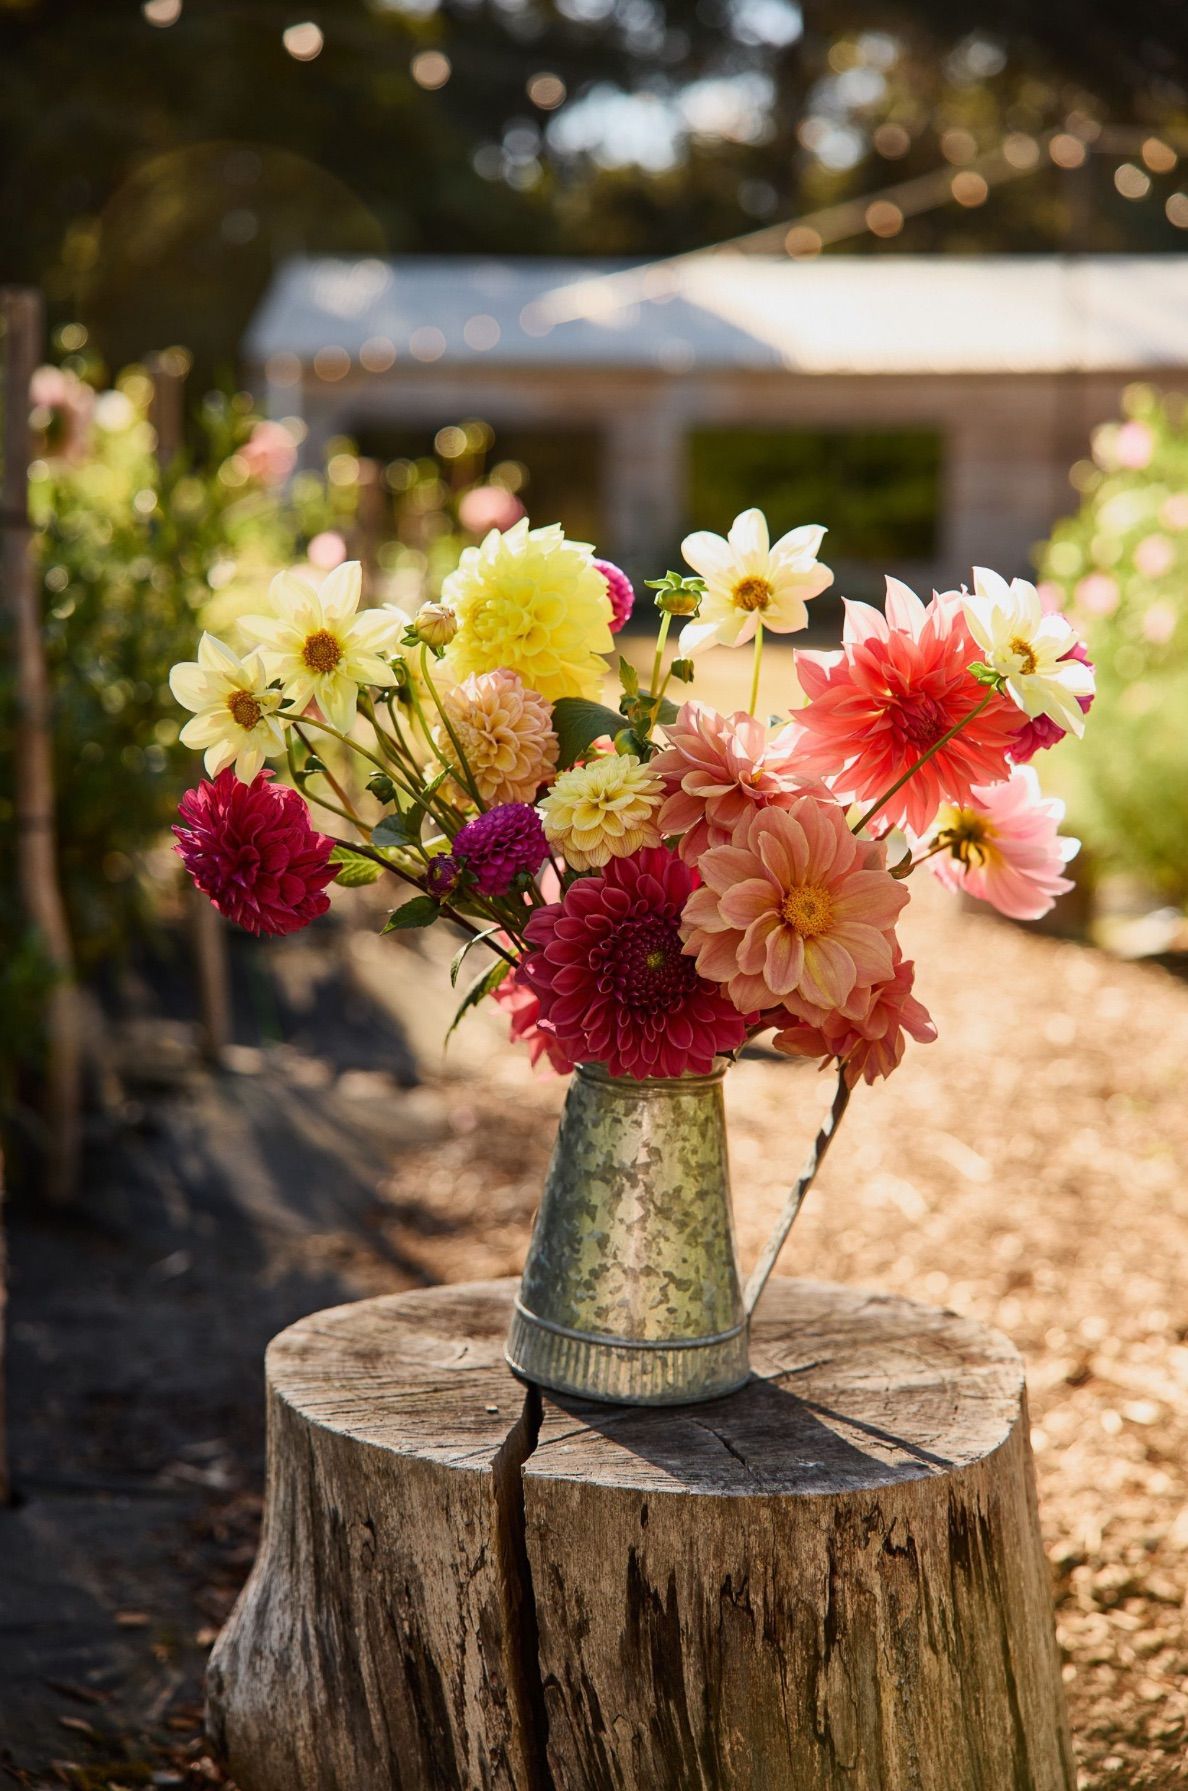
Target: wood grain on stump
point(831, 1578)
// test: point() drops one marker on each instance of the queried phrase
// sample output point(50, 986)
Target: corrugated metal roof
point(839, 314)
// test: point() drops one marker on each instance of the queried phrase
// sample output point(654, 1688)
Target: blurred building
point(927, 409)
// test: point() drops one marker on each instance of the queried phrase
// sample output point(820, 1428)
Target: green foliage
point(485, 984)
point(577, 722)
point(355, 871)
point(420, 911)
point(1121, 568)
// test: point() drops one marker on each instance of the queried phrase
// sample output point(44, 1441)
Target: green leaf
point(435, 783)
point(459, 957)
point(400, 829)
point(577, 722)
point(484, 985)
point(355, 871)
point(421, 911)
point(628, 677)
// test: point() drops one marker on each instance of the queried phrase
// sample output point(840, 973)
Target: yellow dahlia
point(606, 809)
point(505, 732)
point(532, 601)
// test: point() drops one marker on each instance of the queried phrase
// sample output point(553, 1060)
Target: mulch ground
point(1030, 1169)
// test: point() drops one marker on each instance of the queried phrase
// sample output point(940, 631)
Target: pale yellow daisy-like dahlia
point(751, 582)
point(506, 735)
point(534, 602)
point(320, 647)
point(606, 809)
point(235, 717)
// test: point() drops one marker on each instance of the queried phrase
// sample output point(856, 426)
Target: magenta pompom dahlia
point(495, 847)
point(621, 592)
point(614, 984)
point(251, 849)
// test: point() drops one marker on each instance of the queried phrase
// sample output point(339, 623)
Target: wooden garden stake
point(37, 867)
point(208, 935)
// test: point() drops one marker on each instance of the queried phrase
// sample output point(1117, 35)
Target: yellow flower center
point(968, 838)
point(321, 651)
point(808, 910)
point(752, 593)
point(245, 710)
point(1025, 653)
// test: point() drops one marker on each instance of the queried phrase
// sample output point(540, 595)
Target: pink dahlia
point(521, 1004)
point(900, 682)
point(1004, 847)
point(496, 847)
point(717, 769)
point(251, 849)
point(621, 593)
point(1041, 731)
point(614, 984)
point(871, 1046)
point(794, 910)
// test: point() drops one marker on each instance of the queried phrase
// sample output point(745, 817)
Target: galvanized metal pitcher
point(631, 1290)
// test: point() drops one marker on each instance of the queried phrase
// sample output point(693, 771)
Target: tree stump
point(831, 1578)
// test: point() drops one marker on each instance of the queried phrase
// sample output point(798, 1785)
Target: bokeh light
point(304, 42)
point(430, 69)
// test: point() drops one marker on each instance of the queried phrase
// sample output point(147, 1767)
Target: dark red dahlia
point(251, 849)
point(495, 847)
point(620, 591)
point(614, 984)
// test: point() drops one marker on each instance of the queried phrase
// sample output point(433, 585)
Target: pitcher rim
point(636, 1086)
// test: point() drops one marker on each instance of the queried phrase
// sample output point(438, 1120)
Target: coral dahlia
point(873, 1045)
point(1004, 847)
point(716, 769)
point(615, 987)
point(251, 849)
point(795, 909)
point(506, 734)
point(900, 682)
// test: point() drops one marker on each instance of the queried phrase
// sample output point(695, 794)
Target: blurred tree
point(159, 159)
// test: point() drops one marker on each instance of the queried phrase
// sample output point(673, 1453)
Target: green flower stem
point(462, 766)
point(654, 680)
point(309, 721)
point(405, 877)
point(347, 806)
point(922, 760)
point(756, 662)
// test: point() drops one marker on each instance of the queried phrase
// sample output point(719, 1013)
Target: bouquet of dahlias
point(657, 883)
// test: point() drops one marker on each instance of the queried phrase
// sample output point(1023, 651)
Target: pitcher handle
point(775, 1243)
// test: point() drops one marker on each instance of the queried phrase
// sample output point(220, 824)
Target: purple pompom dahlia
point(497, 846)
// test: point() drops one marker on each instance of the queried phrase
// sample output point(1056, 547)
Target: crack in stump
point(525, 1685)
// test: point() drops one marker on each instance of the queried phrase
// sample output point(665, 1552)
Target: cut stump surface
point(831, 1578)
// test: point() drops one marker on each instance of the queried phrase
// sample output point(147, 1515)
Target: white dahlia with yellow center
point(1029, 649)
point(321, 647)
point(751, 583)
point(235, 714)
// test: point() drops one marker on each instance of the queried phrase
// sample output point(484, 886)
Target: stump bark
point(831, 1578)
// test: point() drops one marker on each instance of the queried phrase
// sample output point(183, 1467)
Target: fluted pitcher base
point(622, 1373)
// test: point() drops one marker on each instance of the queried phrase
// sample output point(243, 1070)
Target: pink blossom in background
point(716, 769)
point(521, 1004)
point(900, 682)
point(326, 551)
point(489, 507)
point(251, 849)
point(621, 593)
point(1098, 594)
point(1173, 512)
point(1159, 623)
point(1051, 596)
point(872, 1046)
point(63, 407)
point(1005, 847)
point(1154, 556)
point(794, 911)
point(1041, 731)
point(614, 984)
point(1133, 446)
point(269, 453)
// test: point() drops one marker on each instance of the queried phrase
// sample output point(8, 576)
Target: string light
point(802, 242)
point(303, 42)
point(970, 189)
point(331, 363)
point(430, 69)
point(377, 354)
point(884, 219)
point(162, 12)
point(1159, 156)
point(1066, 150)
point(1177, 210)
point(546, 91)
point(1131, 182)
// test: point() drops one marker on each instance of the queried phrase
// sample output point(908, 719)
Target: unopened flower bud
point(435, 624)
point(678, 602)
point(682, 670)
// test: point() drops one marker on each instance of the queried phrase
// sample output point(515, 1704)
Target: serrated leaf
point(577, 722)
point(403, 828)
point(354, 871)
point(459, 957)
point(435, 783)
point(421, 911)
point(484, 985)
